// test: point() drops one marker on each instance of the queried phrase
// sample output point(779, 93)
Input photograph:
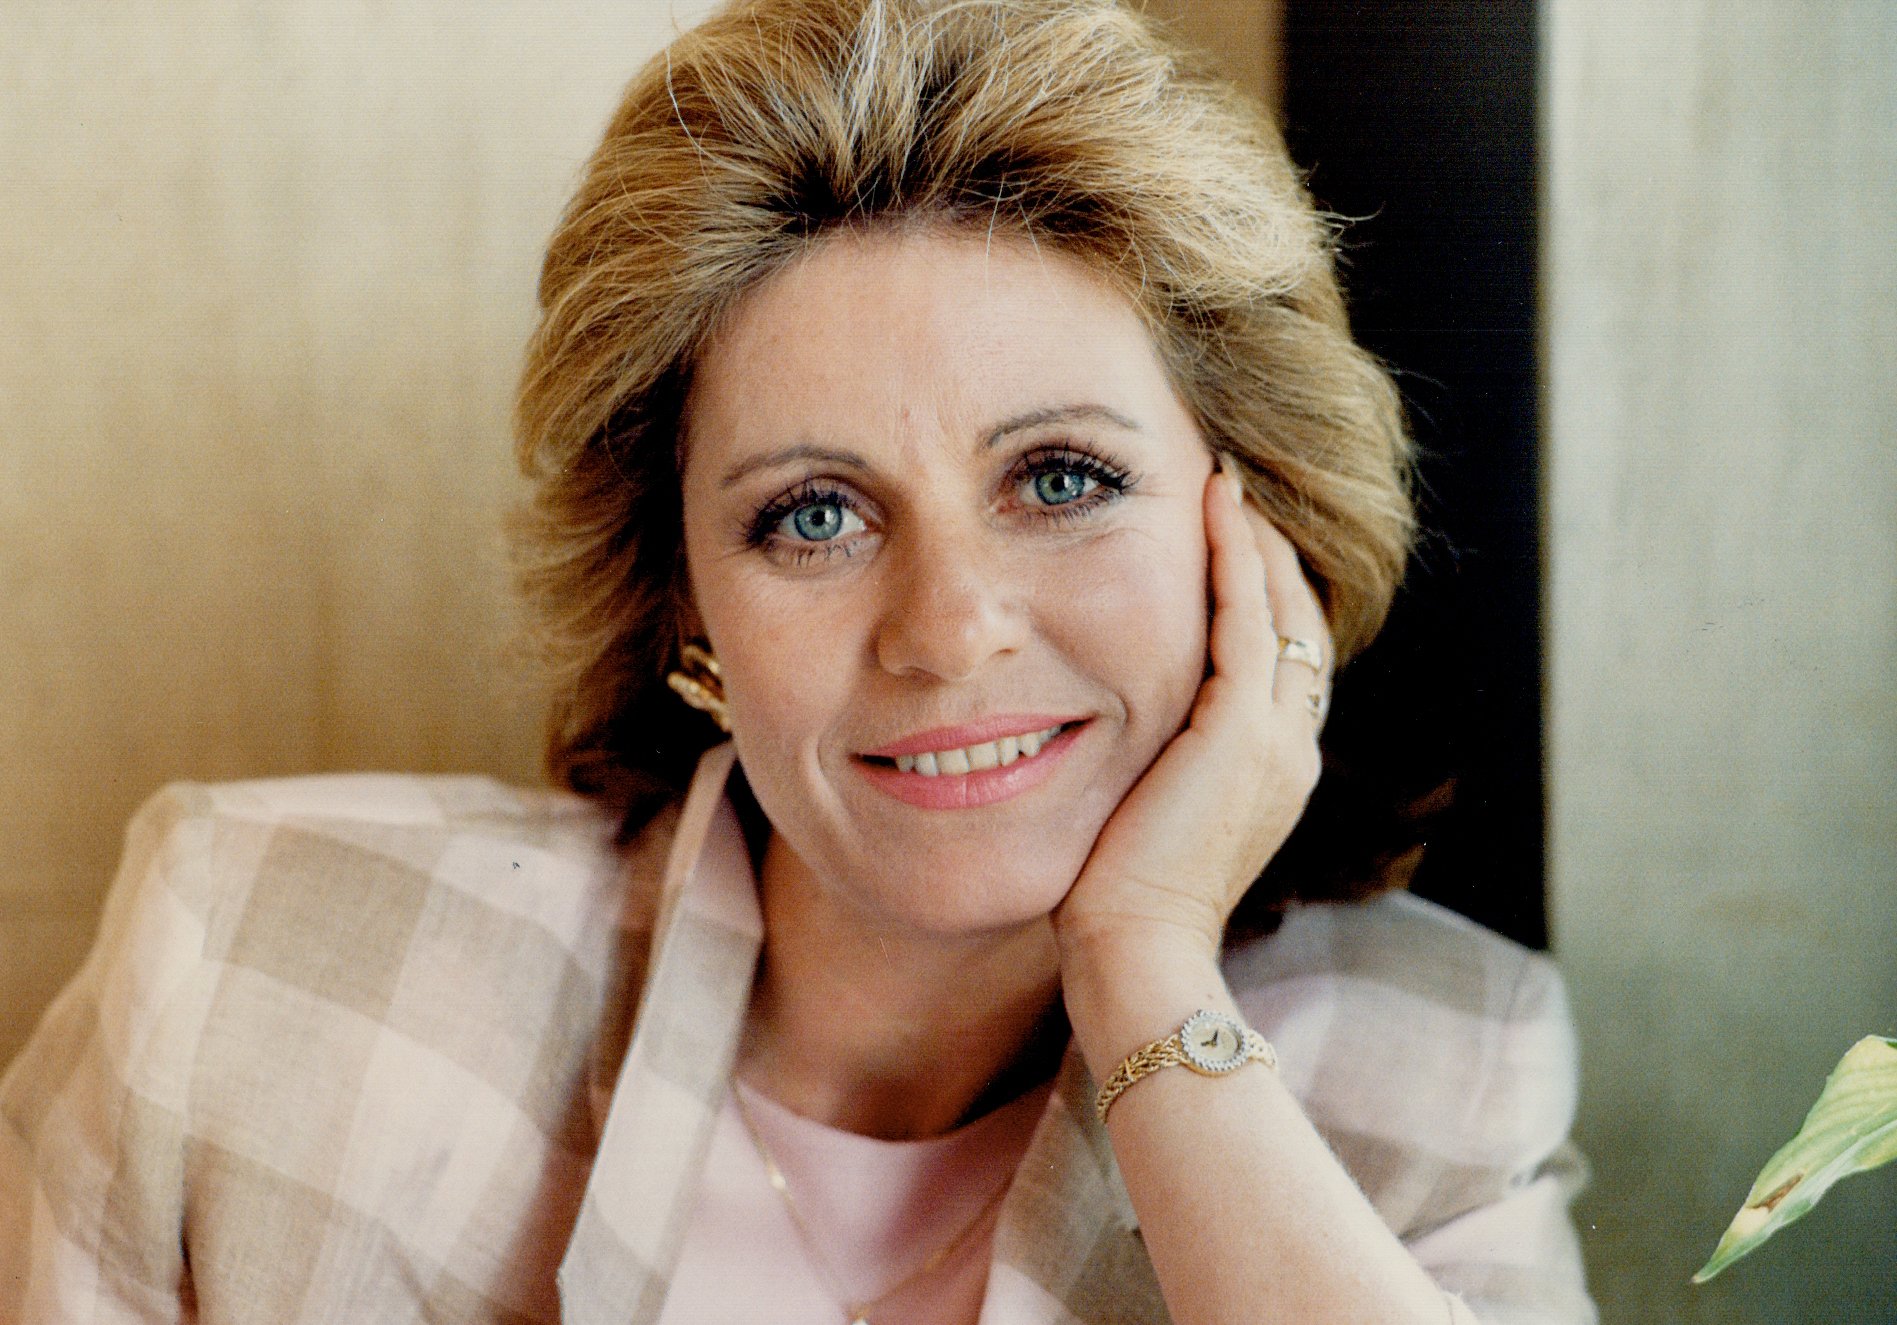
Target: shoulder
point(424, 904)
point(394, 801)
point(1437, 1056)
point(382, 839)
point(426, 945)
point(1400, 952)
point(294, 980)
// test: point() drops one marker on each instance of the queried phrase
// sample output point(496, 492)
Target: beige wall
point(265, 270)
point(1722, 354)
point(1244, 39)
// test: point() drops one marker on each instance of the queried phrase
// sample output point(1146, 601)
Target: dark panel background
point(1418, 118)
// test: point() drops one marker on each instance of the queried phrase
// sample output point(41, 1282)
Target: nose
point(952, 605)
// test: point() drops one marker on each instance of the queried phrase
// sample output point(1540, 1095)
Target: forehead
point(892, 331)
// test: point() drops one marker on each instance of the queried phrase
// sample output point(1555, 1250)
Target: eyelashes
point(1059, 485)
point(775, 523)
point(1105, 482)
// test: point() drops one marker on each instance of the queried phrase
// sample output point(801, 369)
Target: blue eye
point(820, 521)
point(1058, 487)
point(1065, 483)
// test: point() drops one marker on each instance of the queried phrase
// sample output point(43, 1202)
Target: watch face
point(1213, 1042)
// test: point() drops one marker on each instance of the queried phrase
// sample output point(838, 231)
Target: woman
point(954, 404)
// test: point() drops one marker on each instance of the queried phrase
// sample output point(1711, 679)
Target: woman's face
point(944, 524)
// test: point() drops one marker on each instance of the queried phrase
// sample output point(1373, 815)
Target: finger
point(1303, 650)
point(1294, 603)
point(1243, 642)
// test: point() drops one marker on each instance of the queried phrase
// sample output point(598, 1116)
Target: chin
point(948, 898)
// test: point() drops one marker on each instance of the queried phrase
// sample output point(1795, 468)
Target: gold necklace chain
point(856, 1312)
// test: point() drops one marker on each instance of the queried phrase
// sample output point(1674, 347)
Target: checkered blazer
point(376, 1049)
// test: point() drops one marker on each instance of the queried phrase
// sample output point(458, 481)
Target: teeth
point(975, 758)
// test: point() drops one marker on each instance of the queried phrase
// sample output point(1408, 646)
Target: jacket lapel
point(633, 1215)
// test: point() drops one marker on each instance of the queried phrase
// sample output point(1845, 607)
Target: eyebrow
point(1034, 418)
point(789, 455)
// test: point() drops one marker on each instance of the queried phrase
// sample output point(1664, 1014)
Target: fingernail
point(1233, 488)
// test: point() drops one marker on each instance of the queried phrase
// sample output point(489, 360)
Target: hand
point(1195, 830)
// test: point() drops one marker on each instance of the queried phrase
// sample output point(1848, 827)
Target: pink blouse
point(875, 1211)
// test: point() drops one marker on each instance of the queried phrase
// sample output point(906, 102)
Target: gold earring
point(700, 682)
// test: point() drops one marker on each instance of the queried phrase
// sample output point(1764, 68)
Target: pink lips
point(965, 791)
point(970, 733)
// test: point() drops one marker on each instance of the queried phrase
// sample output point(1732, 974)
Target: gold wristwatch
point(1210, 1043)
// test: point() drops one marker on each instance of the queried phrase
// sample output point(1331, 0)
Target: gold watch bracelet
point(1209, 1043)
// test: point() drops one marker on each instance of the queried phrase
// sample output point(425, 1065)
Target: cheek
point(788, 664)
point(1135, 609)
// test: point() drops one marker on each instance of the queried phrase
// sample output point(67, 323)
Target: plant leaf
point(1852, 1128)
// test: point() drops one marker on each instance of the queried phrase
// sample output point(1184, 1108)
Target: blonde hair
point(775, 122)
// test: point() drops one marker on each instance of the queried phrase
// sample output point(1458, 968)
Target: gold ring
point(1308, 652)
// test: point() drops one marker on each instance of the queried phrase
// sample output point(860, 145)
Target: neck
point(876, 1029)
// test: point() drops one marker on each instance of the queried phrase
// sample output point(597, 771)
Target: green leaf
point(1851, 1129)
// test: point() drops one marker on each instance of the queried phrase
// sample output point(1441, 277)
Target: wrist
point(1124, 990)
point(1091, 944)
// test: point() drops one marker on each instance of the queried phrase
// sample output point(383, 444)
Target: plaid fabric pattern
point(378, 1048)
